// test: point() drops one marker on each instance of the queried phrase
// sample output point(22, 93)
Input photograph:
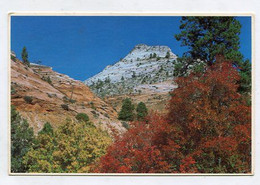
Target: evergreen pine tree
point(25, 56)
point(127, 111)
point(208, 37)
point(141, 111)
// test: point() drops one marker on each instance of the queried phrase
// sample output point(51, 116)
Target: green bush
point(72, 101)
point(82, 117)
point(178, 69)
point(28, 99)
point(47, 129)
point(65, 106)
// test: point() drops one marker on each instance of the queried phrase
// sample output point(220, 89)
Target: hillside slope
point(49, 91)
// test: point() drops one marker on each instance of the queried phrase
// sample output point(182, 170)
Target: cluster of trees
point(207, 130)
point(71, 148)
point(208, 37)
point(127, 112)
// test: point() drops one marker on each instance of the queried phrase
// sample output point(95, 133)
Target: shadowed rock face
point(49, 90)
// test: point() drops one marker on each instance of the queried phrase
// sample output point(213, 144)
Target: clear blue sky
point(83, 46)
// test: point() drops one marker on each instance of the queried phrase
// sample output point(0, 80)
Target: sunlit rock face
point(143, 65)
point(50, 90)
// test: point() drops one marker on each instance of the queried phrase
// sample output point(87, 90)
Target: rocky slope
point(39, 94)
point(143, 65)
point(145, 74)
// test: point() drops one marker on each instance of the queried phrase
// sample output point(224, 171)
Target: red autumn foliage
point(207, 130)
point(140, 150)
point(188, 165)
point(214, 119)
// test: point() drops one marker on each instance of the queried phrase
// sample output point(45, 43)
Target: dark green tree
point(245, 77)
point(141, 111)
point(127, 111)
point(22, 139)
point(25, 56)
point(208, 37)
point(28, 99)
